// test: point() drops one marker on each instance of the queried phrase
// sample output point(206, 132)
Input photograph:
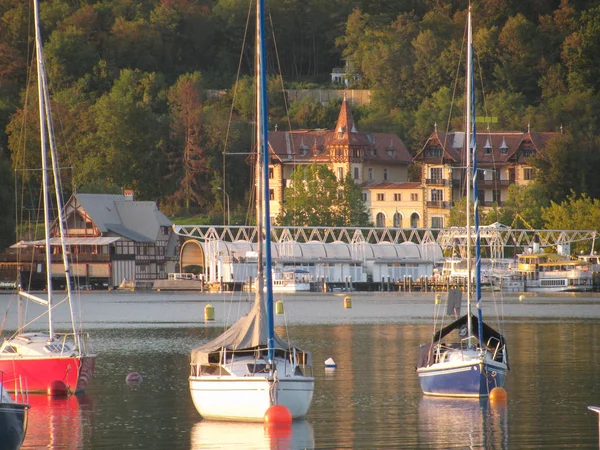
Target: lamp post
point(228, 212)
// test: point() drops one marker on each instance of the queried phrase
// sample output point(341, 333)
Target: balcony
point(494, 183)
point(437, 182)
point(439, 204)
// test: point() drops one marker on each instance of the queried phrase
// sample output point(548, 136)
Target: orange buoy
point(57, 388)
point(133, 378)
point(498, 394)
point(278, 415)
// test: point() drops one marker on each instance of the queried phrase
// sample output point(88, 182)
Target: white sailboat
point(249, 368)
point(476, 361)
point(41, 359)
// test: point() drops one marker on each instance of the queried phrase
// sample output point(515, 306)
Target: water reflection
point(464, 423)
point(236, 435)
point(57, 423)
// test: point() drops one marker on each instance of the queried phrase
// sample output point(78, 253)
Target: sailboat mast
point(44, 150)
point(475, 194)
point(469, 173)
point(262, 140)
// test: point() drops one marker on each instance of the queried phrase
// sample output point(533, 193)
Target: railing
point(439, 204)
point(437, 182)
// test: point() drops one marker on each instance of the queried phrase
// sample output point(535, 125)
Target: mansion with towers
point(378, 162)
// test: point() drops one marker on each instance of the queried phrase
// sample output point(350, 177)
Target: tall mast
point(475, 197)
point(44, 150)
point(262, 140)
point(470, 181)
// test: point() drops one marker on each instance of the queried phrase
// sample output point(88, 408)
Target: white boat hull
point(248, 398)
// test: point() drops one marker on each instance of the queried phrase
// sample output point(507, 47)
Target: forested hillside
point(129, 79)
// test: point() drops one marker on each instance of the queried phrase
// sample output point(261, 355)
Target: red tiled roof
point(489, 144)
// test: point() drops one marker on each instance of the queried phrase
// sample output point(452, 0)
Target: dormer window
point(488, 147)
point(504, 147)
point(373, 153)
point(303, 148)
point(435, 152)
point(340, 133)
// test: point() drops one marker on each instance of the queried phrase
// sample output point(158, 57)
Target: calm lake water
point(372, 399)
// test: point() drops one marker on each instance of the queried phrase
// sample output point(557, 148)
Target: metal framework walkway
point(496, 236)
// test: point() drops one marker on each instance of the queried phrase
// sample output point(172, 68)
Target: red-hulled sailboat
point(48, 361)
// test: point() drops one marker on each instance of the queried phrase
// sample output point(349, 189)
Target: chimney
point(128, 194)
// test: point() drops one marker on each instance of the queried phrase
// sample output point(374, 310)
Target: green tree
point(351, 208)
point(576, 212)
point(7, 218)
point(310, 198)
point(523, 207)
point(130, 134)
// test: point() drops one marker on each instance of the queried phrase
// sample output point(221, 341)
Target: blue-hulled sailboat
point(466, 358)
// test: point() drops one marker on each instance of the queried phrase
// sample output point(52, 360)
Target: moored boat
point(466, 358)
point(248, 369)
point(38, 358)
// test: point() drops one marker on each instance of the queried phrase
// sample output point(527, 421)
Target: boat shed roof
point(338, 251)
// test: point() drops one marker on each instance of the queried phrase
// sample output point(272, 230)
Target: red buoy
point(498, 395)
point(133, 378)
point(278, 415)
point(57, 388)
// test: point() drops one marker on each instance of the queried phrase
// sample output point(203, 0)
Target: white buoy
point(521, 298)
point(330, 363)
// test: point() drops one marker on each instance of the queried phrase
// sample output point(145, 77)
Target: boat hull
point(248, 398)
point(36, 373)
point(469, 379)
point(13, 425)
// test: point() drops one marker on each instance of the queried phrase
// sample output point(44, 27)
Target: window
point(397, 197)
point(437, 222)
point(435, 173)
point(414, 220)
point(370, 173)
point(496, 195)
point(414, 197)
point(385, 174)
point(528, 173)
point(437, 195)
point(380, 197)
point(435, 152)
point(363, 196)
point(271, 194)
point(271, 174)
point(356, 173)
point(89, 225)
point(380, 220)
point(397, 220)
point(340, 173)
point(164, 230)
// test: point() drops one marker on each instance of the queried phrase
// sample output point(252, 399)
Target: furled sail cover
point(248, 333)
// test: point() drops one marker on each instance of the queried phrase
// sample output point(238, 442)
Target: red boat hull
point(36, 374)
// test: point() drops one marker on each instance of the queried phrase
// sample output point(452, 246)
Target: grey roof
point(138, 221)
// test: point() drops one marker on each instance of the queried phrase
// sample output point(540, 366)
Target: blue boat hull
point(466, 380)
